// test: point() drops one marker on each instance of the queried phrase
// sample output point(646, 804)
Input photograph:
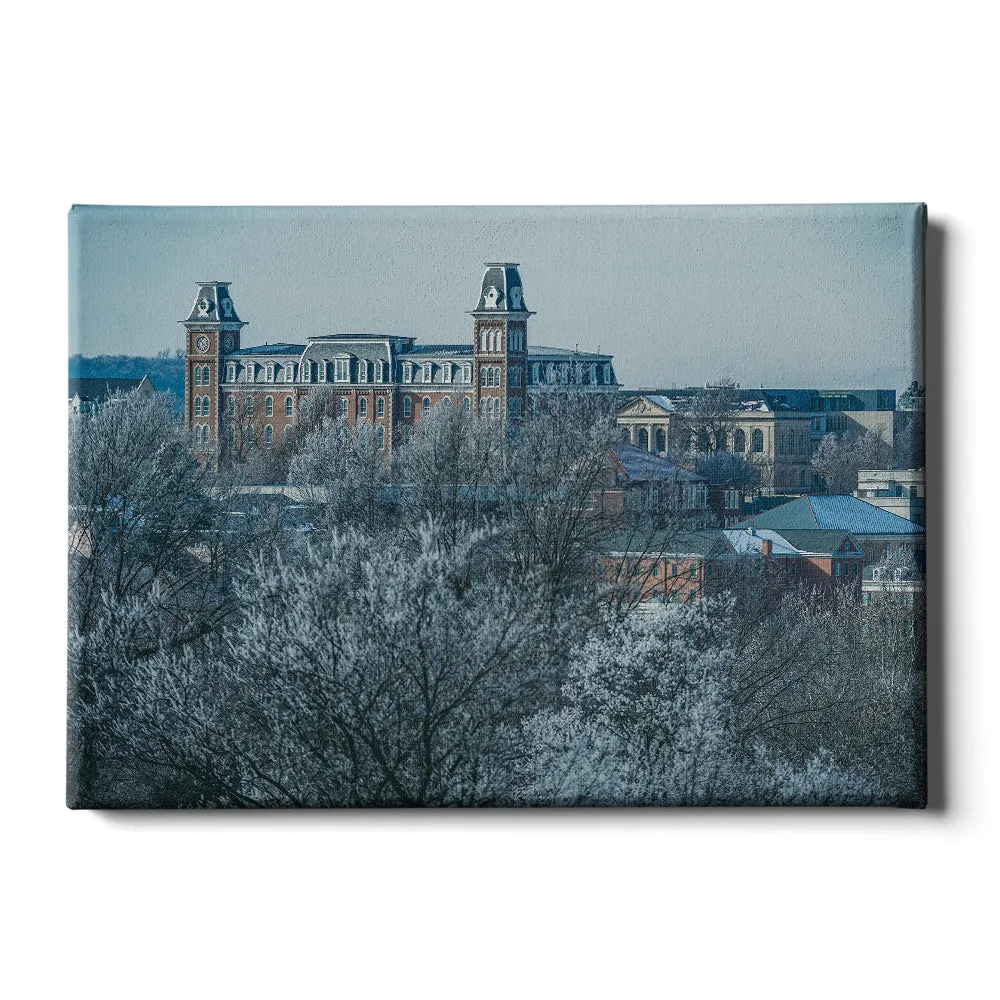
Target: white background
point(203, 103)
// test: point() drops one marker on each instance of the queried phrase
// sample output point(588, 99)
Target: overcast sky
point(820, 296)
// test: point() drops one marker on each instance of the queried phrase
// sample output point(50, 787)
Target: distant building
point(646, 486)
point(685, 567)
point(87, 395)
point(237, 398)
point(880, 532)
point(900, 491)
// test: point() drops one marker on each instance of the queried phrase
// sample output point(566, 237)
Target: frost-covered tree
point(839, 459)
point(352, 677)
point(652, 716)
point(342, 472)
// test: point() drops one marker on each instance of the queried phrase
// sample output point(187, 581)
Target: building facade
point(238, 398)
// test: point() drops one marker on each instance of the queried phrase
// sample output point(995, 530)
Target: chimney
point(766, 546)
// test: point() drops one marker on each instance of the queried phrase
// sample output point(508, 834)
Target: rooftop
point(834, 513)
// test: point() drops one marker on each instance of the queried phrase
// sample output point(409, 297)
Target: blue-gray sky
point(789, 296)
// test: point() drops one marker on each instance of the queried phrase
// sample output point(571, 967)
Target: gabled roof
point(834, 513)
point(819, 542)
point(645, 404)
point(99, 389)
point(640, 465)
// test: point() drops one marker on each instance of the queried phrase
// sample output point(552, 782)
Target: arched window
point(467, 404)
point(406, 406)
point(249, 406)
point(380, 436)
point(426, 404)
point(380, 407)
point(251, 372)
point(757, 441)
point(288, 406)
point(197, 374)
point(268, 436)
point(197, 406)
point(661, 439)
point(482, 407)
point(249, 436)
point(362, 408)
point(269, 406)
point(342, 407)
point(644, 438)
point(739, 441)
point(484, 375)
point(362, 371)
point(446, 402)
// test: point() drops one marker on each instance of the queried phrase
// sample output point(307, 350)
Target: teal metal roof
point(835, 513)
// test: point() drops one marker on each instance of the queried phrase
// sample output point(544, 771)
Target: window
point(428, 374)
point(307, 371)
point(836, 569)
point(757, 441)
point(362, 408)
point(362, 371)
point(673, 569)
point(269, 373)
point(269, 406)
point(230, 373)
point(379, 371)
point(342, 407)
point(781, 444)
point(321, 371)
point(467, 404)
point(249, 406)
point(342, 370)
point(197, 374)
point(656, 570)
point(268, 436)
point(485, 374)
point(607, 374)
point(482, 407)
point(290, 372)
point(514, 408)
point(230, 405)
point(406, 406)
point(249, 436)
point(446, 372)
point(446, 402)
point(426, 404)
point(482, 341)
point(466, 374)
point(197, 406)
point(380, 436)
point(407, 372)
point(380, 407)
point(251, 370)
point(515, 377)
point(288, 406)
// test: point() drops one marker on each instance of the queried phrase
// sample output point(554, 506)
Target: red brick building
point(237, 397)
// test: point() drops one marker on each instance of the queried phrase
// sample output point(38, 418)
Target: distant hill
point(166, 373)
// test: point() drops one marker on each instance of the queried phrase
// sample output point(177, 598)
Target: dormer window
point(270, 372)
point(362, 371)
point(466, 374)
point(290, 372)
point(428, 372)
point(342, 370)
point(251, 372)
point(407, 371)
point(230, 373)
point(446, 372)
point(322, 371)
point(380, 371)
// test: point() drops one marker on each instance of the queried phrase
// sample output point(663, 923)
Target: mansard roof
point(537, 352)
point(438, 350)
point(275, 349)
point(501, 290)
point(213, 305)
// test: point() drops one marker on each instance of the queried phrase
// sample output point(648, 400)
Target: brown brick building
point(238, 398)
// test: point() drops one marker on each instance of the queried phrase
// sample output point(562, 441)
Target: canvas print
point(496, 507)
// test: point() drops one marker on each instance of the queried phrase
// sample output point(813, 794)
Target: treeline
point(165, 370)
point(438, 637)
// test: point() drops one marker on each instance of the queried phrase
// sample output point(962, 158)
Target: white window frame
point(407, 407)
point(362, 371)
point(289, 406)
point(407, 372)
point(428, 373)
point(380, 407)
point(362, 408)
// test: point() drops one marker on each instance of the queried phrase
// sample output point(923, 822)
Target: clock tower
point(212, 330)
point(500, 344)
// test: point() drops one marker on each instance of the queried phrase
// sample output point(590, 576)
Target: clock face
point(202, 343)
point(227, 344)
